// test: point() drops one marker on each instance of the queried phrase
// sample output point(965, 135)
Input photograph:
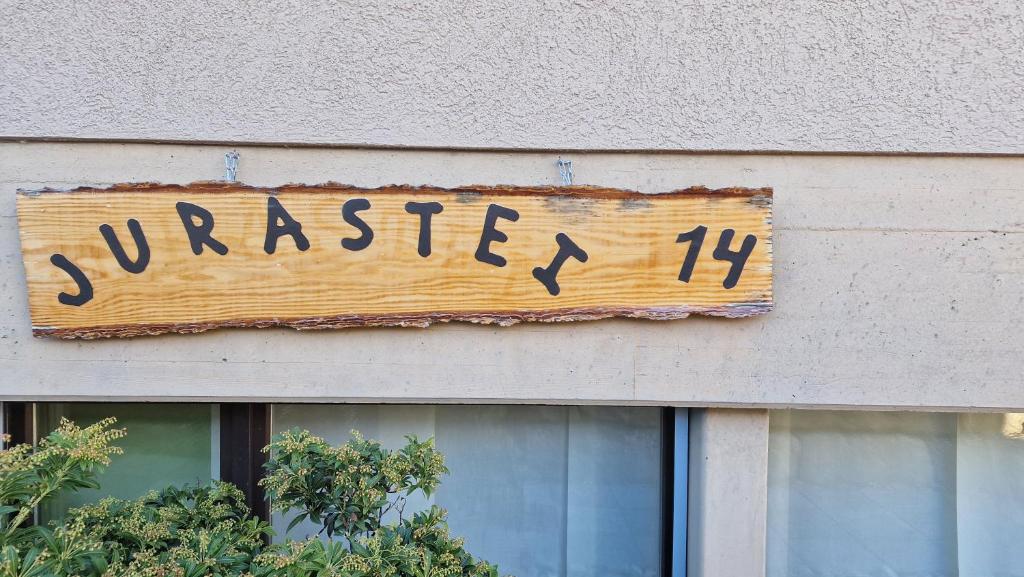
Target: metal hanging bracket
point(565, 170)
point(231, 166)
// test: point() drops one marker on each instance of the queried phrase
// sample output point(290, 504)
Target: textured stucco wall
point(897, 284)
point(874, 75)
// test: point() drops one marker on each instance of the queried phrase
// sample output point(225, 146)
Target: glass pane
point(540, 491)
point(167, 444)
point(862, 494)
point(508, 492)
point(990, 494)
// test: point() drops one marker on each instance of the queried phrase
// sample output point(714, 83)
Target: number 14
point(722, 252)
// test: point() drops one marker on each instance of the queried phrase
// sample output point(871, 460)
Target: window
point(540, 491)
point(895, 494)
point(545, 491)
point(167, 444)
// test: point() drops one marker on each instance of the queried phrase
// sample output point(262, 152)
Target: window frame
point(245, 428)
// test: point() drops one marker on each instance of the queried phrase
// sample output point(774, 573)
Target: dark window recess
point(244, 431)
point(18, 422)
point(668, 456)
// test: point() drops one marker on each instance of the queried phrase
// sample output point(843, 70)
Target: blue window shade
point(862, 494)
point(896, 494)
point(540, 491)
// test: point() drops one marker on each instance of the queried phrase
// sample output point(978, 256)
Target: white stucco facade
point(807, 75)
point(892, 133)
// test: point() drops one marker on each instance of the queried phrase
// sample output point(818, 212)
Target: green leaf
point(295, 522)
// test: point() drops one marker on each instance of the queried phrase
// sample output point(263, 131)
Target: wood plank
point(268, 276)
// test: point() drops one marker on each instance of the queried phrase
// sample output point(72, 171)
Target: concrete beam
point(728, 499)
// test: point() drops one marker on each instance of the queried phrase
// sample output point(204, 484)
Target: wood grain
point(632, 269)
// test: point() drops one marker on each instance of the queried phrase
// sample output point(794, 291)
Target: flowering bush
point(209, 531)
point(347, 490)
point(185, 532)
point(68, 459)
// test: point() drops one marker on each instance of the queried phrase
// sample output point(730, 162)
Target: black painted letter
point(348, 212)
point(289, 226)
point(425, 210)
point(696, 239)
point(491, 234)
point(84, 286)
point(199, 234)
point(566, 248)
point(142, 260)
point(738, 258)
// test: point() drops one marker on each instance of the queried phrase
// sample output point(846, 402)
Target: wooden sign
point(139, 259)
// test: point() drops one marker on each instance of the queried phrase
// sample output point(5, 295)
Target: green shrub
point(347, 490)
point(209, 531)
point(192, 531)
point(68, 459)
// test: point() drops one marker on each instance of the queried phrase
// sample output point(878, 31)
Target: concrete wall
point(818, 75)
point(728, 493)
point(898, 284)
